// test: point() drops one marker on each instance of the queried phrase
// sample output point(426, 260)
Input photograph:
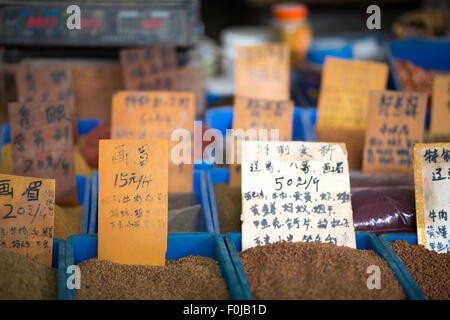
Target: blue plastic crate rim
point(364, 240)
point(199, 188)
point(78, 248)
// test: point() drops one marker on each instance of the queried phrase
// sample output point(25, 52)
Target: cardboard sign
point(27, 215)
point(150, 68)
point(41, 84)
point(262, 72)
point(259, 114)
point(440, 111)
point(42, 145)
point(432, 186)
point(295, 191)
point(396, 122)
point(191, 80)
point(155, 115)
point(344, 92)
point(133, 201)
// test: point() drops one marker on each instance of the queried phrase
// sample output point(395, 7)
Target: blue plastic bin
point(213, 176)
point(364, 241)
point(304, 120)
point(200, 191)
point(411, 238)
point(83, 247)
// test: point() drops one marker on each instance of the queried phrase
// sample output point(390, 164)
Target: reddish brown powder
point(315, 271)
point(430, 269)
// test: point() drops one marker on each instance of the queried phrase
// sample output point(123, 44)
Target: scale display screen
point(102, 24)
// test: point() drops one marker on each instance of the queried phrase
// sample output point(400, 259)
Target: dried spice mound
point(68, 221)
point(24, 279)
point(193, 277)
point(430, 269)
point(303, 270)
point(228, 201)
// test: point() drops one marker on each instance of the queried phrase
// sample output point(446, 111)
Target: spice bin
point(411, 238)
point(204, 223)
point(364, 241)
point(304, 120)
point(83, 247)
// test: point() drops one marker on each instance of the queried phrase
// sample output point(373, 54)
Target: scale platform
point(103, 23)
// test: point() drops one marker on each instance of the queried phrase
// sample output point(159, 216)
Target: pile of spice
point(24, 279)
point(414, 78)
point(300, 270)
point(229, 203)
point(430, 269)
point(191, 278)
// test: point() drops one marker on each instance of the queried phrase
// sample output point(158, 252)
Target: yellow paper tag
point(156, 115)
point(133, 203)
point(344, 92)
point(262, 71)
point(440, 110)
point(27, 216)
point(395, 123)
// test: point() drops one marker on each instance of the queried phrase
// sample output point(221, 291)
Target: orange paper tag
point(133, 203)
point(432, 185)
point(150, 68)
point(27, 214)
point(155, 115)
point(395, 123)
point(344, 92)
point(440, 111)
point(262, 71)
point(259, 114)
point(42, 145)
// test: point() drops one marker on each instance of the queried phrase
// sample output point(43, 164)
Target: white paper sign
point(432, 181)
point(295, 191)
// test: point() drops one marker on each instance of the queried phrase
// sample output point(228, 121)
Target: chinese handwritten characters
point(344, 92)
point(27, 207)
point(395, 123)
point(440, 110)
point(155, 115)
point(295, 191)
point(432, 184)
point(40, 84)
point(152, 68)
point(42, 145)
point(262, 72)
point(133, 179)
point(259, 114)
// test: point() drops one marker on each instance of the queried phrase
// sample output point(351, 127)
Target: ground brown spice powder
point(24, 279)
point(68, 221)
point(303, 270)
point(193, 277)
point(430, 269)
point(228, 201)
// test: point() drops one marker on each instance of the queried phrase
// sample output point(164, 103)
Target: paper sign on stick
point(395, 123)
point(42, 145)
point(440, 110)
point(27, 215)
point(259, 114)
point(344, 92)
point(155, 115)
point(132, 222)
point(152, 68)
point(262, 71)
point(295, 191)
point(432, 187)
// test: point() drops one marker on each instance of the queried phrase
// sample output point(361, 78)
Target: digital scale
point(40, 26)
